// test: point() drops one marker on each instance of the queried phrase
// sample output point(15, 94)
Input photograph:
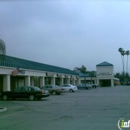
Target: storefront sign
point(21, 71)
point(104, 74)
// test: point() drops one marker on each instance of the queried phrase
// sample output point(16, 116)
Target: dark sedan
point(31, 92)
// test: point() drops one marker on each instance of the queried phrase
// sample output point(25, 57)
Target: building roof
point(104, 64)
point(9, 61)
point(86, 75)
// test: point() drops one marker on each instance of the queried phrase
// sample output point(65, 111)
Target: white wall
point(105, 71)
point(6, 70)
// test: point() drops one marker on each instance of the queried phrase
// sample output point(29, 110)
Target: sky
point(66, 33)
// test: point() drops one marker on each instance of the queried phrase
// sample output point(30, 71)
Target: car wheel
point(5, 97)
point(54, 93)
point(71, 90)
point(31, 97)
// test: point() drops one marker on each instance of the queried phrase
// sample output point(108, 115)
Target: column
point(61, 81)
point(42, 81)
point(73, 81)
point(52, 80)
point(6, 83)
point(32, 81)
point(78, 81)
point(98, 82)
point(27, 81)
point(112, 83)
point(68, 80)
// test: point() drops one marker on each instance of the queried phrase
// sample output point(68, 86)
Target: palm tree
point(122, 52)
point(83, 70)
point(127, 53)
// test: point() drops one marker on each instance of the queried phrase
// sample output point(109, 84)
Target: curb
point(3, 109)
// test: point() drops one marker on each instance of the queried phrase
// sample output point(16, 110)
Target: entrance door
point(105, 83)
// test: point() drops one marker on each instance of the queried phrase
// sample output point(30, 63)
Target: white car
point(69, 87)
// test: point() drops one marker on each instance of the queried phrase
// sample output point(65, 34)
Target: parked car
point(69, 87)
point(53, 89)
point(93, 85)
point(31, 92)
point(87, 85)
point(84, 86)
point(81, 86)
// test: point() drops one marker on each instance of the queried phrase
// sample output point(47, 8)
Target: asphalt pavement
point(93, 109)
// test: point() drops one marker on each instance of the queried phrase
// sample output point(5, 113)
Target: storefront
point(16, 72)
point(103, 76)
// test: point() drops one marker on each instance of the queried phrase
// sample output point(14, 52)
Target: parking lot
point(93, 109)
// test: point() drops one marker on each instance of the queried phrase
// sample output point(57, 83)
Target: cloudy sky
point(66, 33)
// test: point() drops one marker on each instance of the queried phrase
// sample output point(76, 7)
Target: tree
point(122, 52)
point(91, 73)
point(127, 77)
point(122, 77)
point(127, 53)
point(119, 76)
point(83, 70)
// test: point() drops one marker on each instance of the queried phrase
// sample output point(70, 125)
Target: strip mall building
point(16, 72)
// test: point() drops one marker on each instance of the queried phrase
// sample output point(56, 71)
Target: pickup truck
point(93, 85)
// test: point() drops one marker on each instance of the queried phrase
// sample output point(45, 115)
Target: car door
point(68, 87)
point(16, 92)
point(24, 92)
point(64, 87)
